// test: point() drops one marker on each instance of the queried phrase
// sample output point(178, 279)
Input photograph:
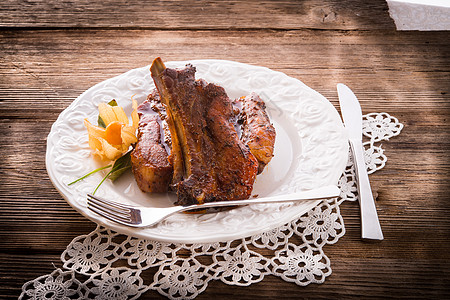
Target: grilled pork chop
point(210, 163)
point(149, 159)
point(256, 130)
point(192, 129)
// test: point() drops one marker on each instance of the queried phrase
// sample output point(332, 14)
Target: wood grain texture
point(196, 15)
point(46, 62)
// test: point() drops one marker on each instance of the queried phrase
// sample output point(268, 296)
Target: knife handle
point(370, 225)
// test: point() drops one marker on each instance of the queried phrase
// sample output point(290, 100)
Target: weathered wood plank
point(62, 63)
point(194, 15)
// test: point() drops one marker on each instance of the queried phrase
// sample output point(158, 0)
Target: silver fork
point(146, 216)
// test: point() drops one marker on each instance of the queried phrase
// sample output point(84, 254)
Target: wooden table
point(51, 51)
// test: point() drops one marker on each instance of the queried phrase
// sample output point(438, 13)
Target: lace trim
point(91, 257)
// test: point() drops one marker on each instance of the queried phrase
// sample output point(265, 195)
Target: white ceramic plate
point(310, 151)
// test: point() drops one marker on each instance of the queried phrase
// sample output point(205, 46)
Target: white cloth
point(423, 15)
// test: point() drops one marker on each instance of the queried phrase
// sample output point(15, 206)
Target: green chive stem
point(104, 178)
point(90, 173)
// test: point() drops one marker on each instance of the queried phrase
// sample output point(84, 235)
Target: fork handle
point(370, 225)
point(325, 192)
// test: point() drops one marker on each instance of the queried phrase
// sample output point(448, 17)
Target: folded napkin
point(423, 15)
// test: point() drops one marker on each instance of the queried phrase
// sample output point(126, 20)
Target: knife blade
point(352, 116)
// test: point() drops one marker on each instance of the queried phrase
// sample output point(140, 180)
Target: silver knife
point(352, 115)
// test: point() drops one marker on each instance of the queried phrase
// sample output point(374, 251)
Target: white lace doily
point(106, 265)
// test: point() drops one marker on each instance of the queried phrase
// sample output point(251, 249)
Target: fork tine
point(109, 216)
point(108, 202)
point(117, 207)
point(109, 209)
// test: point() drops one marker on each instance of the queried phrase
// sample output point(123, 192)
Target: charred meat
point(210, 162)
point(149, 159)
point(192, 139)
point(256, 130)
